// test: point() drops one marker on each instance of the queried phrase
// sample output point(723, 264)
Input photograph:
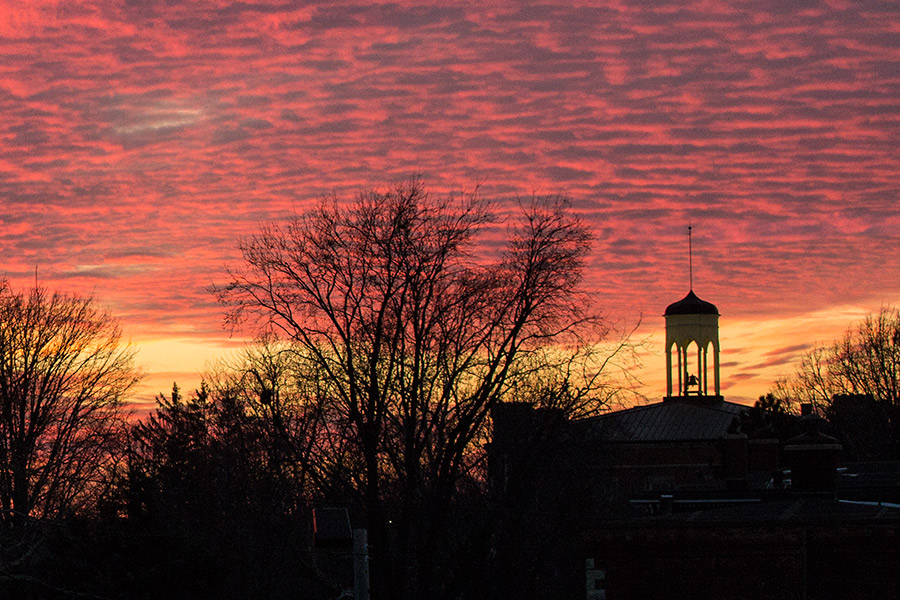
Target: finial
point(690, 259)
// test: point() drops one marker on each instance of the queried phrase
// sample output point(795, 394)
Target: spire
point(690, 259)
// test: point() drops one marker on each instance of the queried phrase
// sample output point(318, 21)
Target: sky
point(140, 140)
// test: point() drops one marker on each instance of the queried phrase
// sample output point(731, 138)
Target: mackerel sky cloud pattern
point(141, 139)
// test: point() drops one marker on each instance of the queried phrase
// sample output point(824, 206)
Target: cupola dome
point(691, 305)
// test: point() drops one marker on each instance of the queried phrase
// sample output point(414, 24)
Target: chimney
point(812, 458)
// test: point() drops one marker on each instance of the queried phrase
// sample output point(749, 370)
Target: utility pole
point(360, 564)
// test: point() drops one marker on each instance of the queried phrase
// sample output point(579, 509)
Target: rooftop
point(666, 421)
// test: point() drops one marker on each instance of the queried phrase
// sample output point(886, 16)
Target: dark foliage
point(219, 518)
point(867, 429)
point(770, 417)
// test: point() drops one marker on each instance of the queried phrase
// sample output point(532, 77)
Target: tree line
point(852, 385)
point(388, 328)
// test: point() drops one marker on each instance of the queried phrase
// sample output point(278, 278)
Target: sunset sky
point(141, 139)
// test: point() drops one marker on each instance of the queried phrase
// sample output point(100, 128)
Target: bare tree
point(413, 340)
point(272, 384)
point(864, 362)
point(855, 383)
point(63, 376)
point(867, 361)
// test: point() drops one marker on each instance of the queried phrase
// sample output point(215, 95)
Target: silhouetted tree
point(855, 384)
point(274, 387)
point(222, 518)
point(770, 417)
point(407, 338)
point(865, 361)
point(63, 376)
point(170, 471)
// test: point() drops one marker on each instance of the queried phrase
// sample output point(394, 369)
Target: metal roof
point(666, 421)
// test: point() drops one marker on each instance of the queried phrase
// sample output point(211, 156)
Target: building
point(667, 501)
point(763, 519)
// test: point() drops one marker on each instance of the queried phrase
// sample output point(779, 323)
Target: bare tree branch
point(63, 376)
